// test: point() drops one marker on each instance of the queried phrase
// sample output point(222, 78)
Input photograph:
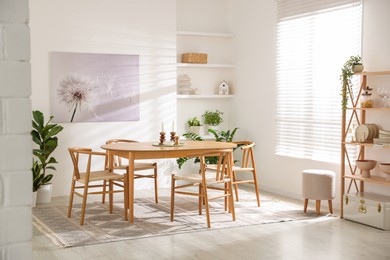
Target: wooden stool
point(318, 185)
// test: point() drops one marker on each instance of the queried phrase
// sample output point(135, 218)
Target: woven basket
point(194, 58)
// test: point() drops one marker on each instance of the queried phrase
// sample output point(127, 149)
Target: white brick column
point(15, 127)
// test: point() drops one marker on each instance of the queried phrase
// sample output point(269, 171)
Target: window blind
point(314, 40)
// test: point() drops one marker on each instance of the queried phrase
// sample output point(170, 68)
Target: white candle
point(173, 126)
point(162, 126)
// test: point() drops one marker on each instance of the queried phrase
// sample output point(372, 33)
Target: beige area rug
point(153, 219)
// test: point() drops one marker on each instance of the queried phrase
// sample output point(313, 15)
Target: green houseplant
point(194, 125)
point(213, 118)
point(351, 66)
point(220, 136)
point(44, 135)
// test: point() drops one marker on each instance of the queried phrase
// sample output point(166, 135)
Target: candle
point(173, 126)
point(162, 126)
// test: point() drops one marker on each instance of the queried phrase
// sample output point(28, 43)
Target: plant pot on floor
point(34, 198)
point(44, 193)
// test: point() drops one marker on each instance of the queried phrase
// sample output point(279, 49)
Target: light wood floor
point(333, 238)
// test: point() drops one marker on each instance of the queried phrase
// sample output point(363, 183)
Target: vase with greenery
point(347, 72)
point(44, 135)
point(194, 125)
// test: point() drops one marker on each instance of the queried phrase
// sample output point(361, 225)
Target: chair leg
point(173, 183)
point(201, 199)
point(104, 192)
point(71, 195)
point(330, 206)
point(155, 183)
point(226, 196)
point(305, 205)
point(318, 207)
point(231, 201)
point(84, 204)
point(235, 185)
point(206, 201)
point(256, 188)
point(126, 196)
point(111, 195)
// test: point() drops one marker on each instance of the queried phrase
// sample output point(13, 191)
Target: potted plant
point(194, 125)
point(351, 66)
point(212, 119)
point(44, 135)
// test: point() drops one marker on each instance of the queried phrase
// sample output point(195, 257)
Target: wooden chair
point(206, 180)
point(247, 165)
point(139, 166)
point(92, 179)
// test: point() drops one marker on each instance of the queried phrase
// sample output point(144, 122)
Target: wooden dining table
point(149, 150)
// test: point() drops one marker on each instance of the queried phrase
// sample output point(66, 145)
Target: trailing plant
point(194, 122)
point(44, 135)
point(346, 77)
point(213, 118)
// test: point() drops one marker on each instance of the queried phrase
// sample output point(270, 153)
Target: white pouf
point(318, 185)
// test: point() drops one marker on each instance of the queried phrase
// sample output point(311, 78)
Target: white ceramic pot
point(44, 193)
point(195, 129)
point(34, 198)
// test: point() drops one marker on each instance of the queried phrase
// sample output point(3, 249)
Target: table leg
point(130, 181)
point(230, 172)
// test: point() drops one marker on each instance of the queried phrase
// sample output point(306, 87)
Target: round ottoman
point(318, 185)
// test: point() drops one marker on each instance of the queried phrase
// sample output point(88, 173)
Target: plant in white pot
point(44, 135)
point(212, 119)
point(194, 125)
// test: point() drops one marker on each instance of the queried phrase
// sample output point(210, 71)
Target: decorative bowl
point(365, 166)
point(385, 168)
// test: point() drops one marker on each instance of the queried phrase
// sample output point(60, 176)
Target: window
point(314, 40)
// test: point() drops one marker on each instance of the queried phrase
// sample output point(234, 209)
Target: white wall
point(254, 23)
point(143, 27)
point(15, 127)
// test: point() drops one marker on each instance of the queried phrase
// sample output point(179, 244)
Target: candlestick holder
point(173, 136)
point(162, 138)
point(176, 140)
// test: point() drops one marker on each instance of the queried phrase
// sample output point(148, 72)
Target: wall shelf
point(204, 96)
point(205, 34)
point(207, 65)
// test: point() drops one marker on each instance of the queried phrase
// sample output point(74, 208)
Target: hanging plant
point(346, 78)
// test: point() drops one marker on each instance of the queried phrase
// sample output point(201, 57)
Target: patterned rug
point(153, 219)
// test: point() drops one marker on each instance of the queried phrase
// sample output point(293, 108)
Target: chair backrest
point(248, 158)
point(223, 163)
point(117, 159)
point(75, 156)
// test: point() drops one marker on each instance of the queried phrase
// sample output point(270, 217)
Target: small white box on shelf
point(368, 208)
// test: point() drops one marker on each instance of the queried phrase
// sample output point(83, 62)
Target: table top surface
point(153, 147)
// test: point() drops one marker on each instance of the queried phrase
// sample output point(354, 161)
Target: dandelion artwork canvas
point(89, 87)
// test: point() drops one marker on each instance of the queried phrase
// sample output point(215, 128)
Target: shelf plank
point(207, 65)
point(205, 34)
point(378, 146)
point(370, 108)
point(373, 179)
point(204, 96)
point(385, 72)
